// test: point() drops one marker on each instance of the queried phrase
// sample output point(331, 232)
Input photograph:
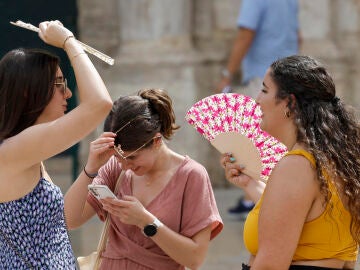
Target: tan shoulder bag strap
point(105, 231)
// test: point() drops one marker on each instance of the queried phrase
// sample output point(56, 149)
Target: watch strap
point(157, 223)
point(151, 229)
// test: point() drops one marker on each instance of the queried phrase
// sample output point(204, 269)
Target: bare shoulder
point(294, 172)
point(291, 190)
point(19, 152)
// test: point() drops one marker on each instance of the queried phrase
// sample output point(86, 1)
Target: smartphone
point(101, 191)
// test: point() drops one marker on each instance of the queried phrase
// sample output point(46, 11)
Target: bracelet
point(90, 175)
point(76, 55)
point(66, 39)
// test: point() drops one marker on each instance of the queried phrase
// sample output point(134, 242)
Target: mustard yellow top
point(327, 236)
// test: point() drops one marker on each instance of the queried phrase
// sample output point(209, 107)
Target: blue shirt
point(276, 25)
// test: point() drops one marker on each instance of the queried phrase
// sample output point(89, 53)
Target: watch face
point(150, 230)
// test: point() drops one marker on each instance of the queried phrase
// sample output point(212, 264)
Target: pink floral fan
point(231, 122)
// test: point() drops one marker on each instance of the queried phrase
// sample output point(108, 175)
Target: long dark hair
point(27, 79)
point(141, 116)
point(328, 128)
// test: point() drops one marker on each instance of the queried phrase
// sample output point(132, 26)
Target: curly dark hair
point(325, 125)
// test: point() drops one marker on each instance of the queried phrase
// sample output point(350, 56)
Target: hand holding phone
point(101, 191)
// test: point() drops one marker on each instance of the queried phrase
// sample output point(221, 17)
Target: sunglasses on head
point(120, 152)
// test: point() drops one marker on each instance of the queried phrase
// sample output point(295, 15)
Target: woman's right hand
point(54, 33)
point(100, 151)
point(233, 171)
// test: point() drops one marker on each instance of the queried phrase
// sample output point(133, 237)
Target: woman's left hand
point(129, 210)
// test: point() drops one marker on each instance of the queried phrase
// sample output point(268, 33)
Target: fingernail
point(232, 159)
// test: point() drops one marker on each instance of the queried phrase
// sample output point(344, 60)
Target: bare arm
point(45, 140)
point(290, 193)
point(240, 47)
point(77, 209)
point(190, 252)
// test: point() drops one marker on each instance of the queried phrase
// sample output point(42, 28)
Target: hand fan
point(231, 122)
point(86, 47)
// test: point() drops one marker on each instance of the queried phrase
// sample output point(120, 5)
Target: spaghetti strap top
point(35, 225)
point(327, 236)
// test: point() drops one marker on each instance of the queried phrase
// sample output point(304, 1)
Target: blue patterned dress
point(35, 224)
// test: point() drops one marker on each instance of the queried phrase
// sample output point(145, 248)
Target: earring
point(158, 144)
point(287, 114)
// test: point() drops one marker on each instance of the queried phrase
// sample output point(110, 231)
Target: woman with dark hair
point(165, 213)
point(308, 216)
point(33, 127)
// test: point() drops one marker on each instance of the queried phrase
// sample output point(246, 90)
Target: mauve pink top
point(186, 205)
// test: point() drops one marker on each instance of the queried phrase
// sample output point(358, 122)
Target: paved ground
point(226, 251)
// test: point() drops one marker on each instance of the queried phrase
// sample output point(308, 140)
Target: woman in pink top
point(165, 213)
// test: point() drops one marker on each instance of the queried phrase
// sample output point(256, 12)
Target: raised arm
point(46, 139)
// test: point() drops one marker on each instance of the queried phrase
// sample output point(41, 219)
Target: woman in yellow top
point(308, 215)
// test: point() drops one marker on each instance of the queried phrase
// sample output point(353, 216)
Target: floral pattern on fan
point(235, 113)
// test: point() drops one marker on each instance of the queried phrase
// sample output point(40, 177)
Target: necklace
point(147, 183)
point(163, 172)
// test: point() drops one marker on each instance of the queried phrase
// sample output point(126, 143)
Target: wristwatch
point(151, 229)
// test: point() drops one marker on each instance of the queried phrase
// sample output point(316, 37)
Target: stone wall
point(181, 46)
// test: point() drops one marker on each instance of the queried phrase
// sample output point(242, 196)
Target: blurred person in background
point(267, 30)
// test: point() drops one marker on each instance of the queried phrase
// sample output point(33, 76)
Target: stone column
point(331, 34)
point(154, 25)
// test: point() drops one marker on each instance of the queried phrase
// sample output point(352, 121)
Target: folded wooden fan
point(231, 122)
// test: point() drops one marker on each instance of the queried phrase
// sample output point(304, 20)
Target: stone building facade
point(181, 46)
